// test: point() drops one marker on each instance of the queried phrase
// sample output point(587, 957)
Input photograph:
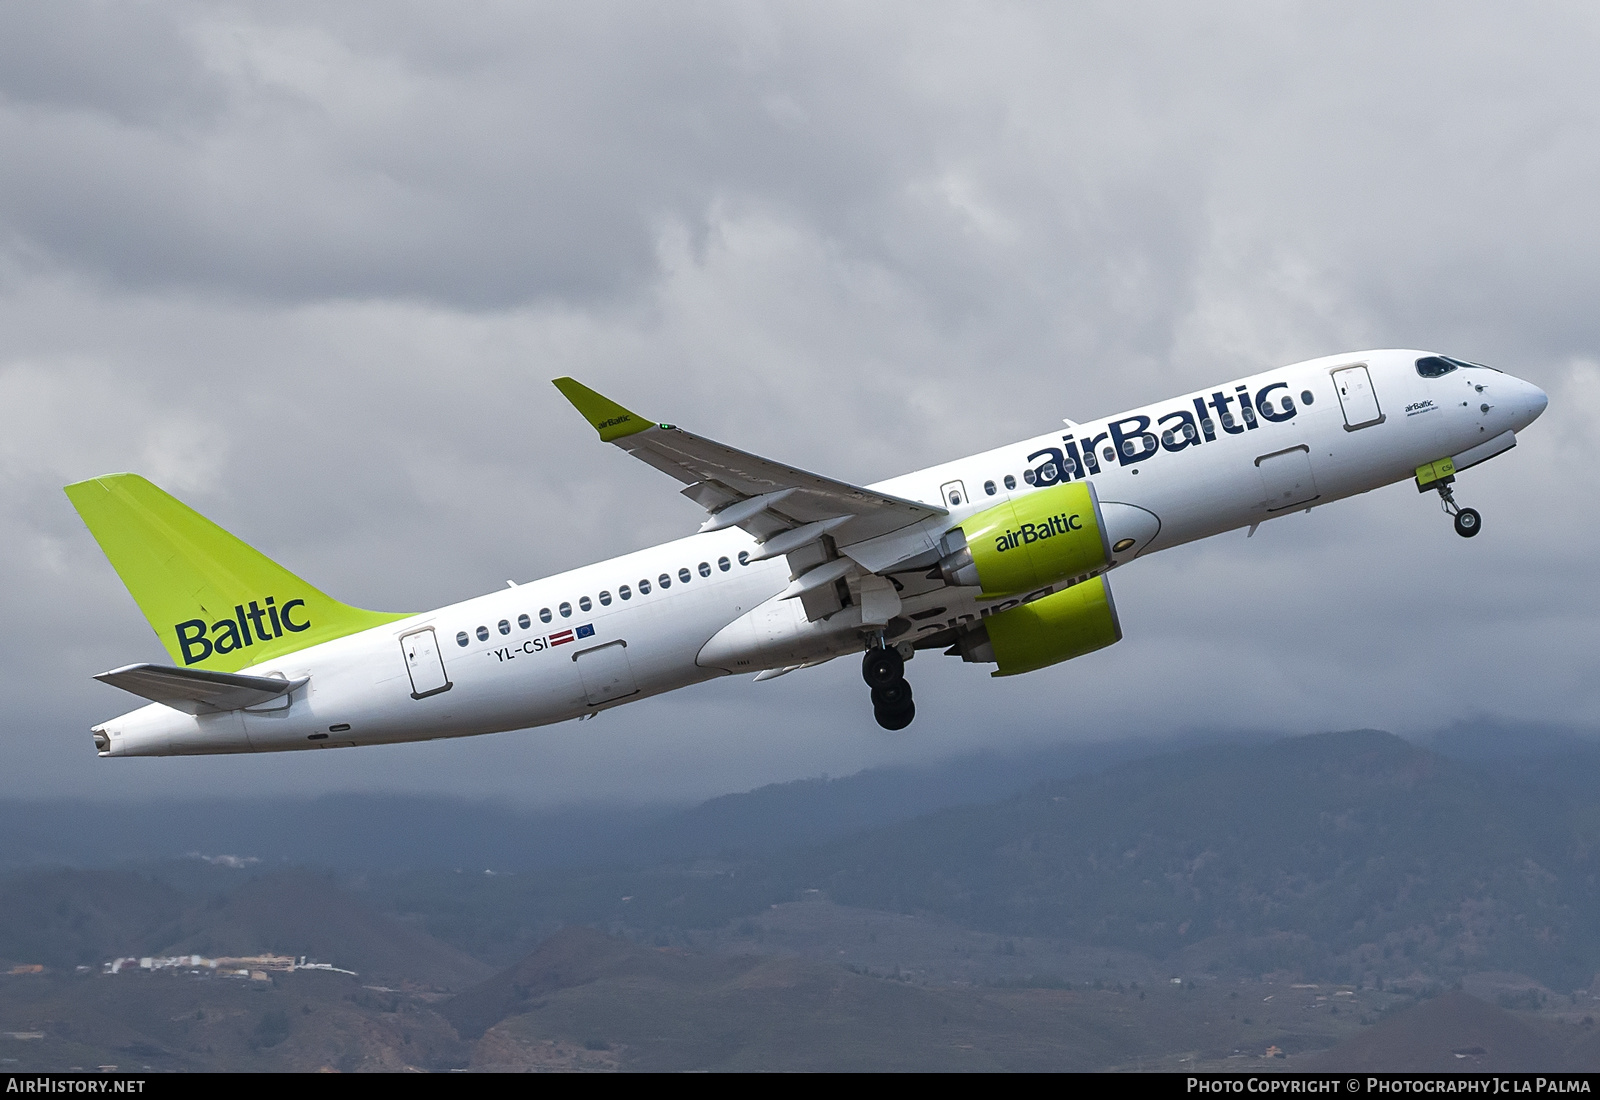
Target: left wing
point(830, 531)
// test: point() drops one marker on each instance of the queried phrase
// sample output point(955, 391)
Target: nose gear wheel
point(1467, 520)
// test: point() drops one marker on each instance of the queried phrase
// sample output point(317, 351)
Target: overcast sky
point(311, 267)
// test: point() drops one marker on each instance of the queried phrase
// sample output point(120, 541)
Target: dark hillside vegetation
point(1351, 856)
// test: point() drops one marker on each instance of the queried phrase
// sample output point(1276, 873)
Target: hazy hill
point(378, 832)
point(64, 919)
point(1454, 1033)
point(308, 913)
point(1353, 856)
point(670, 1010)
point(72, 918)
point(1344, 854)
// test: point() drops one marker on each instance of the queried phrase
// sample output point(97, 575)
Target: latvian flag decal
point(584, 631)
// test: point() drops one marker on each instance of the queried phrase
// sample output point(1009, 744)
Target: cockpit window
point(1437, 366)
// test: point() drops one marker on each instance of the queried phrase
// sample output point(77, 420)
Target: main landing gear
point(884, 670)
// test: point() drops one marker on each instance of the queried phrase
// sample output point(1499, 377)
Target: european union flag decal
point(586, 630)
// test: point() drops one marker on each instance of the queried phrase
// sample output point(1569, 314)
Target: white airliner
point(1000, 558)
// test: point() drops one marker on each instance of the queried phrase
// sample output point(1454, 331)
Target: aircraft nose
point(1531, 401)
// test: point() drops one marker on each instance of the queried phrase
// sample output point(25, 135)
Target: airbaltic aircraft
point(1000, 558)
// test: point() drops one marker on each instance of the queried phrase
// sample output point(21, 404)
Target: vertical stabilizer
point(215, 602)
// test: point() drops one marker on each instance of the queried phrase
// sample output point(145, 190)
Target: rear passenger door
point(423, 662)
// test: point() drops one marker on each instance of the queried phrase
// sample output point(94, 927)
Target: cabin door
point(423, 662)
point(1360, 404)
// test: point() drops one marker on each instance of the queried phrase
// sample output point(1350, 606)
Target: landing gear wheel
point(882, 667)
point(893, 697)
point(1468, 522)
point(895, 719)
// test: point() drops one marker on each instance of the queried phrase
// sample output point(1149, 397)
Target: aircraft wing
point(196, 691)
point(787, 510)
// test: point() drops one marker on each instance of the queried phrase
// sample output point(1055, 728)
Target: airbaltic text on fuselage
point(1033, 532)
point(227, 635)
point(1131, 438)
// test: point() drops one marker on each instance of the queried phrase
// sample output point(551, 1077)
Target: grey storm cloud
point(311, 267)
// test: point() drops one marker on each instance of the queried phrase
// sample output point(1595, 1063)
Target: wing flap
point(196, 691)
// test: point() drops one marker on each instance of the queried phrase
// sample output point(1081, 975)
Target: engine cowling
point(1047, 631)
point(1046, 536)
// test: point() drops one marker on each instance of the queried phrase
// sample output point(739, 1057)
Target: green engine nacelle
point(1057, 628)
point(1043, 537)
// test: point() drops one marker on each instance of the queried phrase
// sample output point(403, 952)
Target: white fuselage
point(1206, 474)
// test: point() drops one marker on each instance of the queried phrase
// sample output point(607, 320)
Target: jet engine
point(1033, 542)
point(1047, 631)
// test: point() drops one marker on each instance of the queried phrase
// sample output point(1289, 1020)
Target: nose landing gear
point(1438, 477)
point(884, 671)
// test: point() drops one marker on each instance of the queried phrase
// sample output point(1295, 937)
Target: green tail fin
point(215, 602)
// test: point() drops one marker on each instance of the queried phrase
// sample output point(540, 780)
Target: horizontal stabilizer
point(196, 691)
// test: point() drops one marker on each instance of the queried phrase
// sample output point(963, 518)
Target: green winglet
point(610, 419)
point(215, 602)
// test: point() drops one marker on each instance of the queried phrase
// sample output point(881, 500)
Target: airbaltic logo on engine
point(227, 635)
point(1033, 532)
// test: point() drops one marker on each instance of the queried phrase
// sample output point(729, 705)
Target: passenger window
point(744, 557)
point(1029, 476)
point(1249, 415)
point(1010, 482)
point(505, 627)
point(483, 634)
point(1110, 455)
point(523, 621)
point(724, 564)
point(605, 598)
point(1072, 467)
point(988, 487)
point(705, 569)
point(544, 614)
point(684, 575)
point(644, 587)
point(462, 639)
point(1209, 425)
point(1288, 404)
point(1051, 474)
point(1306, 397)
point(1189, 433)
point(625, 592)
point(566, 610)
point(584, 604)
point(665, 581)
